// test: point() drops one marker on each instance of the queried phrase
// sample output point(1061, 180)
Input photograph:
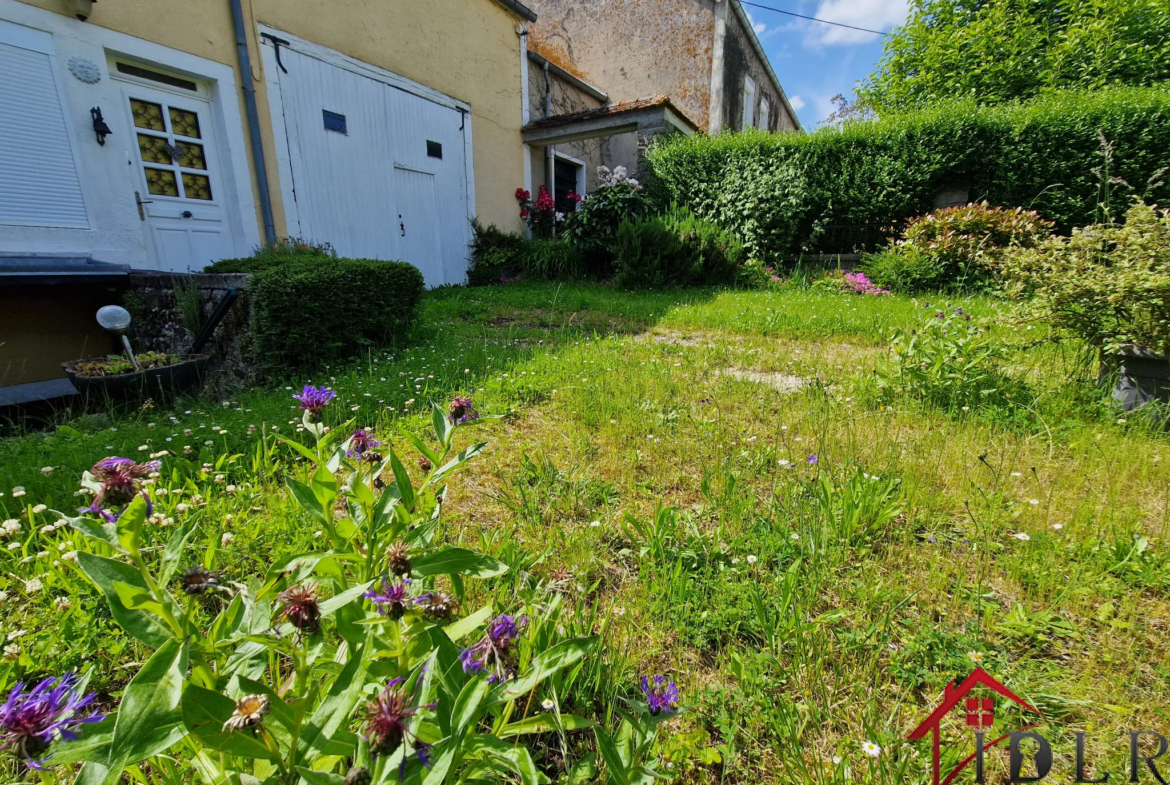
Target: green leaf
point(441, 767)
point(467, 706)
point(422, 447)
point(584, 771)
point(402, 480)
point(336, 708)
point(459, 562)
point(615, 768)
point(104, 573)
point(515, 757)
point(545, 723)
point(331, 605)
point(443, 426)
point(547, 663)
point(137, 598)
point(92, 745)
point(311, 777)
point(462, 457)
point(98, 530)
point(93, 773)
point(205, 712)
point(307, 499)
point(467, 625)
point(174, 551)
point(149, 721)
point(302, 449)
point(130, 523)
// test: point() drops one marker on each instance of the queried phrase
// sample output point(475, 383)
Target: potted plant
point(121, 376)
point(1108, 284)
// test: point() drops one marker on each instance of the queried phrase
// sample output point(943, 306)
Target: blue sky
point(816, 61)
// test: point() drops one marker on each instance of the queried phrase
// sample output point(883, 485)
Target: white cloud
point(871, 14)
point(759, 27)
point(796, 101)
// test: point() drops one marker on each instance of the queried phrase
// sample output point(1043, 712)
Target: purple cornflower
point(661, 694)
point(387, 719)
point(30, 722)
point(121, 480)
point(314, 399)
point(813, 460)
point(494, 649)
point(462, 410)
point(392, 598)
point(362, 445)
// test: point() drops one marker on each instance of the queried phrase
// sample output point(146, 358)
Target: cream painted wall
point(468, 49)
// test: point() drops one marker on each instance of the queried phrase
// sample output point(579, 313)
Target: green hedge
point(309, 311)
point(783, 193)
point(675, 249)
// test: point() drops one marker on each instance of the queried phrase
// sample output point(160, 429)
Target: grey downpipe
point(258, 163)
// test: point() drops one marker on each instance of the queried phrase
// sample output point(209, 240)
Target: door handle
point(401, 226)
point(187, 214)
point(138, 200)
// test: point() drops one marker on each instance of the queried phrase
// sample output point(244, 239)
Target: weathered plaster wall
point(739, 62)
point(468, 49)
point(620, 150)
point(633, 48)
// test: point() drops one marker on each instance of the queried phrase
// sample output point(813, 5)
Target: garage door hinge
point(276, 44)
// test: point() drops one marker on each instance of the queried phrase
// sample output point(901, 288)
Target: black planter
point(154, 382)
point(1140, 376)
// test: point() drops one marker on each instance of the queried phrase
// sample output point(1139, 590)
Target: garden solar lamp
point(116, 319)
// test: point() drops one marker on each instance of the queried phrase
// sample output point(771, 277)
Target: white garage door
point(371, 167)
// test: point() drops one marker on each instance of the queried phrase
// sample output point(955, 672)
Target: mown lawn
point(707, 479)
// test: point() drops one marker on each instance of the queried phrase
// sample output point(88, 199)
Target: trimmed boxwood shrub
point(786, 193)
point(310, 311)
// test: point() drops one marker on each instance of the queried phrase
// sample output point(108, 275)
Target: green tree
point(995, 51)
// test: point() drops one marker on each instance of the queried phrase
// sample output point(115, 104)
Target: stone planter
point(1139, 376)
point(154, 382)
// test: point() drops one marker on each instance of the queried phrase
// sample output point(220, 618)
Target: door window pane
point(184, 123)
point(147, 115)
point(153, 149)
point(196, 186)
point(192, 157)
point(161, 182)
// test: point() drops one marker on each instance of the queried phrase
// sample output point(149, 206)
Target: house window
point(765, 113)
point(568, 177)
point(749, 103)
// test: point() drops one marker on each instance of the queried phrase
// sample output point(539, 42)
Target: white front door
point(179, 188)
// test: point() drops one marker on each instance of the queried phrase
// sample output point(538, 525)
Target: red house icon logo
point(980, 715)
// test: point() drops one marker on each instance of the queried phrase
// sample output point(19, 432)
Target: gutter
point(519, 9)
point(576, 81)
point(249, 84)
point(746, 24)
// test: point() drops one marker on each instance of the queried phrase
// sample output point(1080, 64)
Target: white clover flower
point(594, 524)
point(33, 585)
point(1058, 526)
point(18, 491)
point(784, 462)
point(12, 546)
point(795, 536)
point(12, 652)
point(226, 539)
point(143, 447)
point(47, 471)
point(10, 527)
point(39, 508)
point(871, 749)
point(63, 604)
point(230, 489)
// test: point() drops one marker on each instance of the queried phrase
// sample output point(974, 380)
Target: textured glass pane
point(197, 186)
point(153, 149)
point(161, 182)
point(184, 123)
point(192, 157)
point(147, 115)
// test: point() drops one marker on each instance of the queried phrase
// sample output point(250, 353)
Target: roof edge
point(576, 81)
point(519, 9)
point(746, 23)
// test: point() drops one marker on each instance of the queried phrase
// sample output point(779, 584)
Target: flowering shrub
point(1106, 284)
point(542, 216)
point(848, 283)
point(956, 246)
point(594, 225)
point(354, 663)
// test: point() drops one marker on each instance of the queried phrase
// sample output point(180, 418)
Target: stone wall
point(160, 324)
